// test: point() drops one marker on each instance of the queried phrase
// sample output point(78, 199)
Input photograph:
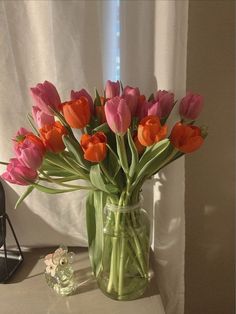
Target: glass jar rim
point(126, 208)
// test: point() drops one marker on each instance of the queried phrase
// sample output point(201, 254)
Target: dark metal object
point(9, 260)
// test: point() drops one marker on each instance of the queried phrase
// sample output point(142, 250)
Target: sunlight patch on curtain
point(111, 40)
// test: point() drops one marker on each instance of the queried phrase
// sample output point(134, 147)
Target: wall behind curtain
point(153, 54)
point(62, 42)
point(210, 173)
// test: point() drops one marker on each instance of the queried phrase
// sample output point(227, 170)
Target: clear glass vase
point(125, 256)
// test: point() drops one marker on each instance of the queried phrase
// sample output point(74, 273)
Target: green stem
point(73, 186)
point(121, 266)
point(74, 168)
point(138, 248)
point(107, 174)
point(69, 169)
point(113, 268)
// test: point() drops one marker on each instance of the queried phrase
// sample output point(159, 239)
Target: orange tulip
point(94, 146)
point(77, 112)
point(140, 148)
point(186, 138)
point(51, 136)
point(151, 131)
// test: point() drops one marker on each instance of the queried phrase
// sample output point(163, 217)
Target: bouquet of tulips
point(123, 140)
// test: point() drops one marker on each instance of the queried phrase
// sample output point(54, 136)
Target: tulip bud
point(30, 151)
point(94, 146)
point(41, 118)
point(151, 131)
point(118, 115)
point(45, 97)
point(29, 154)
point(19, 174)
point(191, 106)
point(112, 89)
point(51, 136)
point(164, 103)
point(82, 93)
point(140, 148)
point(186, 138)
point(132, 97)
point(77, 112)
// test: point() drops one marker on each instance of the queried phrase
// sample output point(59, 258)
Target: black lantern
point(9, 260)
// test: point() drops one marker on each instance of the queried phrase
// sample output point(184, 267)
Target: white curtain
point(63, 42)
point(153, 55)
point(71, 43)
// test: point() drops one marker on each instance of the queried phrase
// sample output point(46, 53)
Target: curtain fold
point(153, 55)
point(62, 42)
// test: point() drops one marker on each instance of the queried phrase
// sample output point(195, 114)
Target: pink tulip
point(147, 108)
point(21, 133)
point(118, 115)
point(45, 96)
point(112, 89)
point(131, 95)
point(41, 118)
point(76, 95)
point(164, 103)
point(18, 174)
point(191, 106)
point(29, 154)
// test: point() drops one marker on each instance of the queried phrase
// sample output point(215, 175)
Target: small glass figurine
point(59, 274)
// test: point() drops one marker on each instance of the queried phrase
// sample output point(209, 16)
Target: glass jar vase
point(125, 255)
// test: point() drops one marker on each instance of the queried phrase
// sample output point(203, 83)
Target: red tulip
point(51, 136)
point(94, 146)
point(151, 131)
point(82, 93)
point(77, 112)
point(186, 138)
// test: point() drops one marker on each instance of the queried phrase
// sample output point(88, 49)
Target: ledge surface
point(28, 293)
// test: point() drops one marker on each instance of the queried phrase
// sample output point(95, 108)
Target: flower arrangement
point(124, 140)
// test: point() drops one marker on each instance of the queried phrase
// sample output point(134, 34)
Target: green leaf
point(47, 190)
point(57, 173)
point(151, 97)
point(97, 180)
point(75, 149)
point(121, 151)
point(31, 123)
point(54, 160)
point(113, 161)
point(24, 195)
point(134, 155)
point(151, 152)
point(102, 128)
point(94, 217)
point(153, 159)
point(121, 86)
point(97, 100)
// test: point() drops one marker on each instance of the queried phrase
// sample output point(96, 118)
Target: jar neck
point(123, 209)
